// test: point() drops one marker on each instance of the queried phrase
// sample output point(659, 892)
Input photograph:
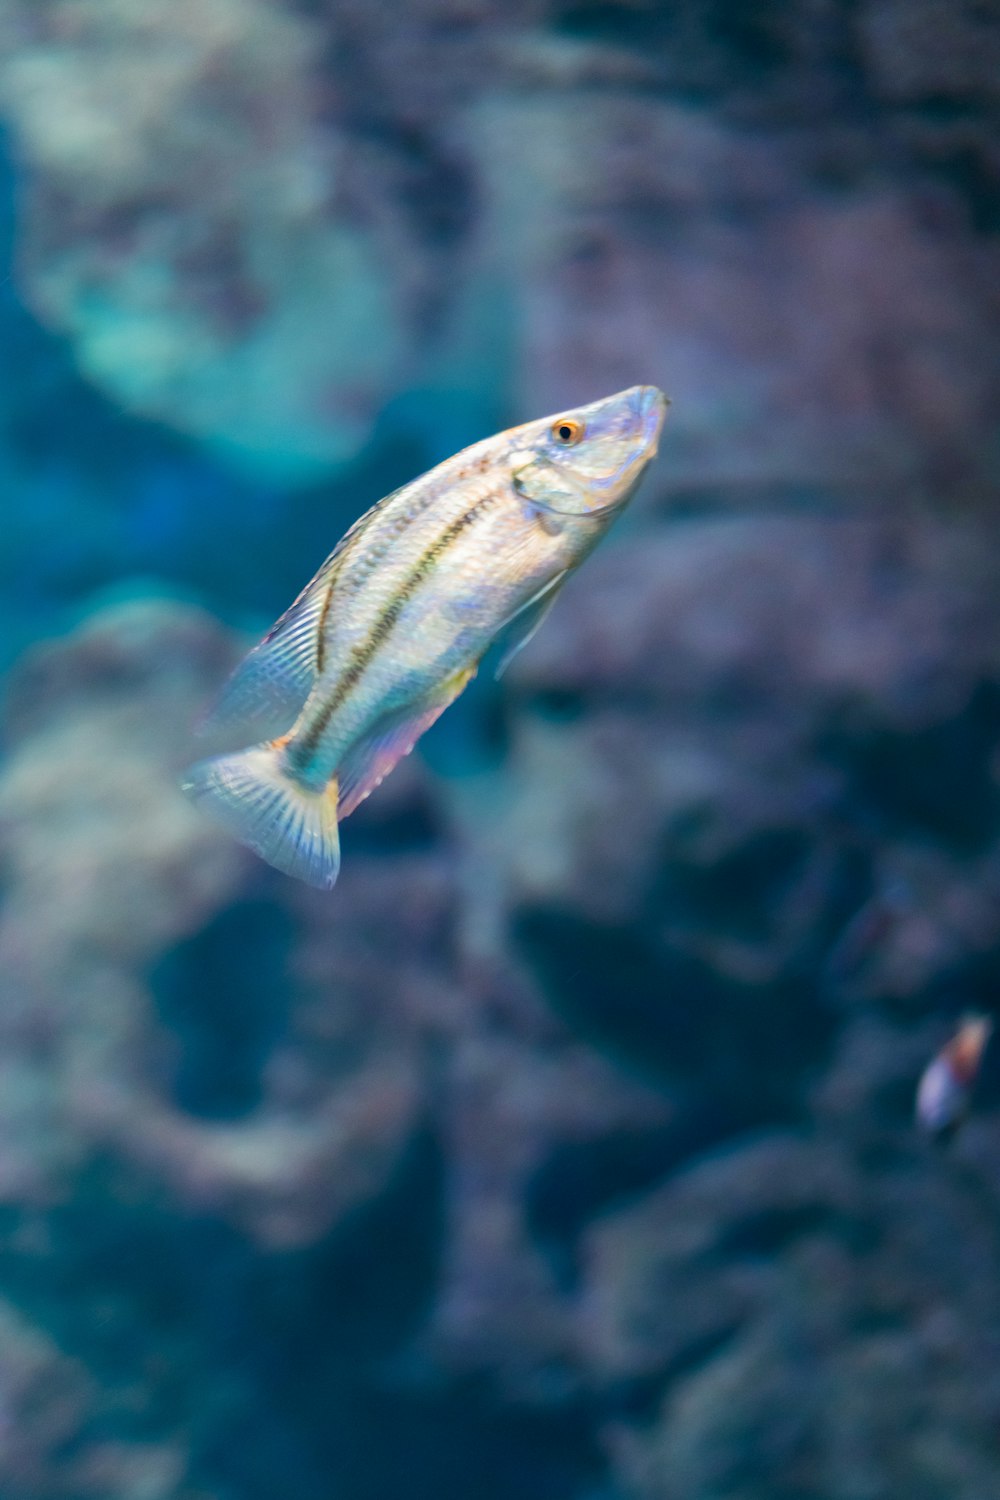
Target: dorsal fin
point(265, 694)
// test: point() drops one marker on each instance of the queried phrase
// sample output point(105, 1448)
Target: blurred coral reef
point(566, 1151)
point(559, 1093)
point(181, 222)
point(255, 220)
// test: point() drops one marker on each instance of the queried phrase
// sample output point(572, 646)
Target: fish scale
point(399, 617)
point(384, 557)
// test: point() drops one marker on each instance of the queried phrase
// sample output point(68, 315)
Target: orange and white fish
point(395, 622)
point(944, 1094)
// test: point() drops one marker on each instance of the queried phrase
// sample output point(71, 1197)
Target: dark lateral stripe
point(346, 548)
point(363, 654)
point(341, 553)
point(321, 626)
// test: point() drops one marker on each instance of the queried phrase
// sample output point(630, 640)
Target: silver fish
point(394, 624)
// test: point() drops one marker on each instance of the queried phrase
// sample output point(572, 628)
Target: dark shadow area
point(254, 1352)
point(738, 893)
point(580, 1180)
point(402, 828)
point(464, 1439)
point(762, 1236)
point(666, 1014)
point(640, 1398)
point(223, 995)
point(907, 782)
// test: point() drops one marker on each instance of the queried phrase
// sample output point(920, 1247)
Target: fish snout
point(650, 407)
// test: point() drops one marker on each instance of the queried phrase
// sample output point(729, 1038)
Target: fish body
point(396, 621)
point(944, 1094)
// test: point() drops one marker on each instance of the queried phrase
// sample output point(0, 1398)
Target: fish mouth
point(650, 406)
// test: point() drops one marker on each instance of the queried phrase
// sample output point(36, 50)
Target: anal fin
point(370, 760)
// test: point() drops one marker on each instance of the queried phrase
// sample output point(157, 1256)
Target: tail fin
point(252, 796)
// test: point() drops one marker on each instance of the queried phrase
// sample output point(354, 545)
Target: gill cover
point(590, 461)
point(553, 488)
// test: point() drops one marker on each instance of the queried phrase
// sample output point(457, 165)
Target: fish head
point(588, 461)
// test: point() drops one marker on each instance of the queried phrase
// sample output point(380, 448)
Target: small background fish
point(396, 621)
point(948, 1085)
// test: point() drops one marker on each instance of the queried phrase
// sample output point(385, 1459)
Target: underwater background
point(566, 1151)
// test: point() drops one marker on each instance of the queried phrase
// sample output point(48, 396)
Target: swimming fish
point(944, 1094)
point(394, 624)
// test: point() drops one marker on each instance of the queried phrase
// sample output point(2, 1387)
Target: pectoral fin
point(370, 760)
point(519, 629)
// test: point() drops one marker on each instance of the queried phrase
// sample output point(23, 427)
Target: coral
point(123, 919)
point(716, 687)
point(46, 1446)
point(123, 694)
point(179, 226)
point(818, 1322)
point(566, 1150)
point(568, 1095)
point(264, 227)
point(809, 337)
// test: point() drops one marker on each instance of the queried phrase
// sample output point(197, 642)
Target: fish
point(397, 620)
point(944, 1094)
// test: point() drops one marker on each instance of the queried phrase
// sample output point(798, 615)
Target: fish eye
point(567, 431)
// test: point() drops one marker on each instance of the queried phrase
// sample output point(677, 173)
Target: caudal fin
point(252, 796)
